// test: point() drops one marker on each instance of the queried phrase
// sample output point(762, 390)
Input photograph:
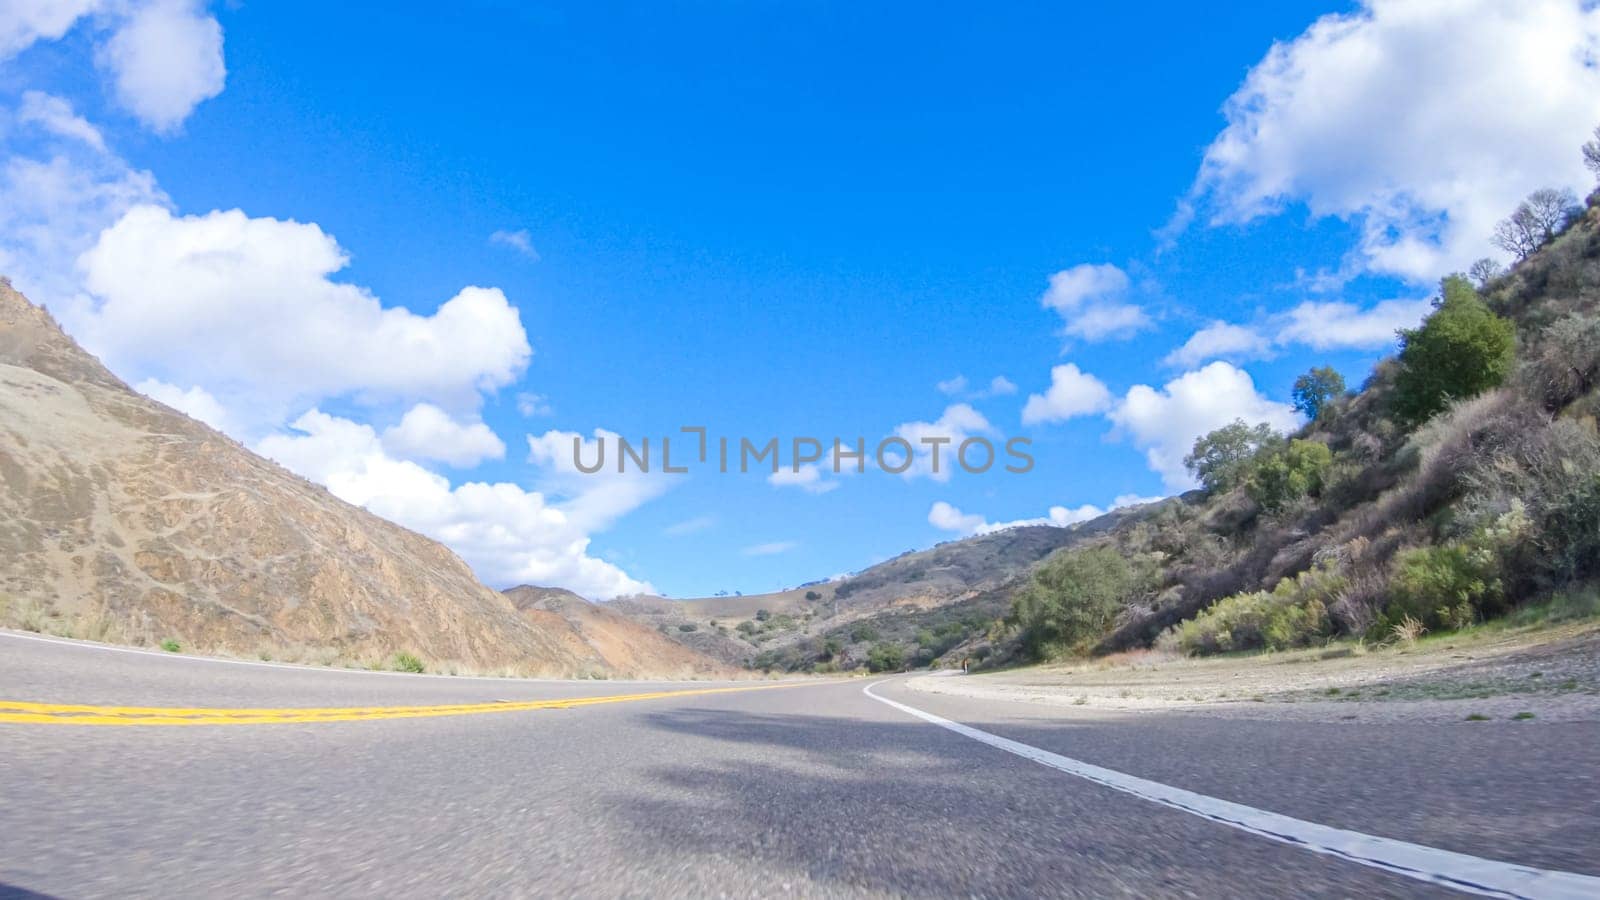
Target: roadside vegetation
point(1459, 486)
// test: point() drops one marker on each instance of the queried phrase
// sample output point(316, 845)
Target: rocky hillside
point(617, 645)
point(123, 520)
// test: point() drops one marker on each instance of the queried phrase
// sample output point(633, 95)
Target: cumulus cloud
point(25, 22)
point(222, 299)
point(593, 500)
point(1090, 298)
point(1072, 393)
point(1220, 340)
point(946, 517)
point(1320, 325)
point(1164, 422)
point(943, 436)
point(427, 432)
point(1338, 325)
point(1422, 122)
point(57, 117)
point(507, 534)
point(165, 59)
point(59, 188)
point(520, 241)
point(807, 477)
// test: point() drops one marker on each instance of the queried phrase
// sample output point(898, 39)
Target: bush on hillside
point(1444, 587)
point(1292, 614)
point(886, 657)
point(1566, 361)
point(1074, 596)
point(1282, 476)
point(1459, 351)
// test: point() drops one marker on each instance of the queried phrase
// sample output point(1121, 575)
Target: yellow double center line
point(20, 711)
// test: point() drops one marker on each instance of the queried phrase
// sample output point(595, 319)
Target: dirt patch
point(1527, 677)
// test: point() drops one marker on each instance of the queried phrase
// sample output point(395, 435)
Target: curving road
point(256, 780)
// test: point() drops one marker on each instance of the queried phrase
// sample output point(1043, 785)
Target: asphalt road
point(811, 789)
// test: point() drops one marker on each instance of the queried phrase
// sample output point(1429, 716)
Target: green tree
point(1286, 475)
point(885, 657)
point(1073, 597)
point(1221, 459)
point(1460, 350)
point(863, 632)
point(1315, 389)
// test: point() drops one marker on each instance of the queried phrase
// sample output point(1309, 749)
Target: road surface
point(431, 786)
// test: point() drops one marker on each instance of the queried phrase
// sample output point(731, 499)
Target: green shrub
point(885, 657)
point(1292, 614)
point(407, 662)
point(1445, 587)
point(171, 646)
point(1282, 476)
point(1460, 350)
point(1074, 596)
point(863, 633)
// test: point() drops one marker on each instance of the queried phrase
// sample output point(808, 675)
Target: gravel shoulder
point(1549, 674)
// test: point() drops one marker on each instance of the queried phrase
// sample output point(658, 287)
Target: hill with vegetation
point(1460, 483)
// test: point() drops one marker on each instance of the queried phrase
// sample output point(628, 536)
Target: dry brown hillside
point(619, 645)
point(126, 521)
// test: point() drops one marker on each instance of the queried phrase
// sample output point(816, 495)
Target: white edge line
point(1471, 874)
point(292, 667)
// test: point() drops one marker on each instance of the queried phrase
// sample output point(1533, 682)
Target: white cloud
point(807, 477)
point(507, 534)
point(1089, 299)
point(24, 22)
point(771, 548)
point(1072, 393)
point(530, 404)
point(1220, 340)
point(693, 525)
point(427, 432)
point(1421, 121)
point(520, 241)
point(593, 500)
point(246, 308)
point(57, 117)
point(943, 436)
point(999, 386)
point(1320, 325)
point(1338, 325)
point(946, 517)
point(165, 59)
point(59, 188)
point(195, 402)
point(1165, 422)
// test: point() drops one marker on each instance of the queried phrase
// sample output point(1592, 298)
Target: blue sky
point(768, 221)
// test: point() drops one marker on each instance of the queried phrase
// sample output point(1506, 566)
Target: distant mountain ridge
point(970, 578)
point(123, 520)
